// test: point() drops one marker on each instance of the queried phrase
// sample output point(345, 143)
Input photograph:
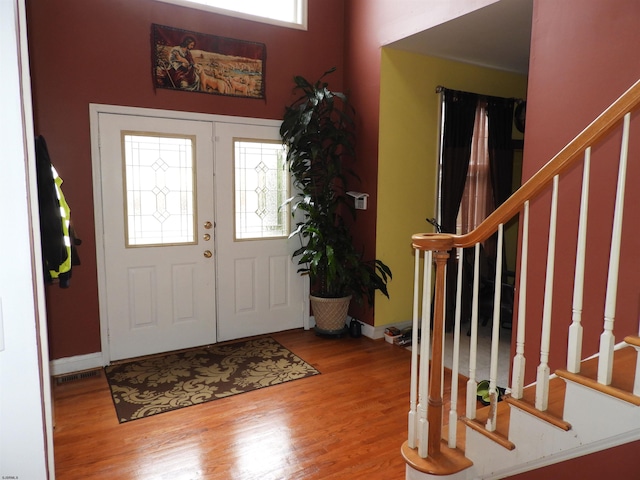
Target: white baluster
point(636, 380)
point(425, 343)
point(495, 335)
point(472, 383)
point(444, 316)
point(574, 352)
point(607, 340)
point(519, 361)
point(542, 380)
point(453, 414)
point(443, 350)
point(413, 392)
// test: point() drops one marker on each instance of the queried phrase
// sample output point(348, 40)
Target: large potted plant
point(318, 132)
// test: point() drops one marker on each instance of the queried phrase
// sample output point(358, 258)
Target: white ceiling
point(496, 36)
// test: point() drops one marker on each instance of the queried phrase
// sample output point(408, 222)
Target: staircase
point(590, 405)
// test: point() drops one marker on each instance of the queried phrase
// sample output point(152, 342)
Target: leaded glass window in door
point(261, 188)
point(159, 172)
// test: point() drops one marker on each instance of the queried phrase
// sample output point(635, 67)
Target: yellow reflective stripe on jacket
point(65, 213)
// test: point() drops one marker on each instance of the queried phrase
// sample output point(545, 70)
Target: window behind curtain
point(477, 199)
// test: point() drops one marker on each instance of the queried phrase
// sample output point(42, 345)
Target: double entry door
point(192, 241)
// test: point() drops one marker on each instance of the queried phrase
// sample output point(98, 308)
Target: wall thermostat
point(359, 199)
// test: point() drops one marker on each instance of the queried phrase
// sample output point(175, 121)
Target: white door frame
point(94, 111)
point(24, 346)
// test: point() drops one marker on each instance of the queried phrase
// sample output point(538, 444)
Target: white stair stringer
point(599, 421)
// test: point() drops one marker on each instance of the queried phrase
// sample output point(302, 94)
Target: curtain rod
point(440, 89)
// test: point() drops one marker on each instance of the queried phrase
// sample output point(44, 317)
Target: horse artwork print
point(197, 62)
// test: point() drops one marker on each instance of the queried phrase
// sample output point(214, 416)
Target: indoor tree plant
point(318, 133)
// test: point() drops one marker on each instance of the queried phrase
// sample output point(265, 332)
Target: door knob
point(208, 225)
point(208, 254)
point(206, 237)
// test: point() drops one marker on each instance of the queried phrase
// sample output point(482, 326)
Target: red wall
point(583, 57)
point(98, 51)
point(362, 75)
point(369, 24)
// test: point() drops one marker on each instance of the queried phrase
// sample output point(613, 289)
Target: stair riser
point(412, 474)
point(595, 415)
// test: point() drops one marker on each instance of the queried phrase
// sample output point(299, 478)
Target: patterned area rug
point(159, 384)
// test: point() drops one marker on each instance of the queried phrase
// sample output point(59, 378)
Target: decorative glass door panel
point(261, 188)
point(159, 189)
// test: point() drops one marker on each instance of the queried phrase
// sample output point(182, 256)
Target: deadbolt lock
point(208, 254)
point(208, 225)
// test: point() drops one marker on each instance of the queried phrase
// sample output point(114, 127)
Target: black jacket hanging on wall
point(55, 229)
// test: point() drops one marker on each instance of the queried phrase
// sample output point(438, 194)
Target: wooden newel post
point(434, 413)
point(440, 244)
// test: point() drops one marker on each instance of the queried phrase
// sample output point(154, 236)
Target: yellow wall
point(408, 156)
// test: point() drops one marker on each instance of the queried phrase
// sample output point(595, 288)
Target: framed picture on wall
point(198, 62)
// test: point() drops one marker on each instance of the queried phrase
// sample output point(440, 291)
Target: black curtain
point(500, 119)
point(459, 118)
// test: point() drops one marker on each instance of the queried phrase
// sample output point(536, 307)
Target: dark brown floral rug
point(159, 384)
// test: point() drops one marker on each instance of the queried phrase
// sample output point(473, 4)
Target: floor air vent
point(72, 377)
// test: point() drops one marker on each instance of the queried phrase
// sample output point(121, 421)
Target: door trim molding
point(94, 114)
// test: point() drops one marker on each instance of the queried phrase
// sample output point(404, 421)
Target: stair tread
point(501, 433)
point(622, 379)
point(447, 462)
point(555, 405)
point(632, 340)
point(461, 434)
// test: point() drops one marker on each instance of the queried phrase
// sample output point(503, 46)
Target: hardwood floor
point(347, 423)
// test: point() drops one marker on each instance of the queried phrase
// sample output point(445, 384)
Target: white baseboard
point(378, 332)
point(78, 363)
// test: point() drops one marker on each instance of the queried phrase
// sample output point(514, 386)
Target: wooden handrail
point(600, 127)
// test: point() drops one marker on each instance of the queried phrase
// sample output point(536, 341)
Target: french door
point(189, 251)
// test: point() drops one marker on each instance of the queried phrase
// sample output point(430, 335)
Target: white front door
point(259, 288)
point(157, 213)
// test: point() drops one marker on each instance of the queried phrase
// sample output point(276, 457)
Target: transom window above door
point(159, 189)
point(261, 182)
point(286, 13)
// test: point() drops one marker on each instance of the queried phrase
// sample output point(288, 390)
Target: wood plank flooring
point(347, 423)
